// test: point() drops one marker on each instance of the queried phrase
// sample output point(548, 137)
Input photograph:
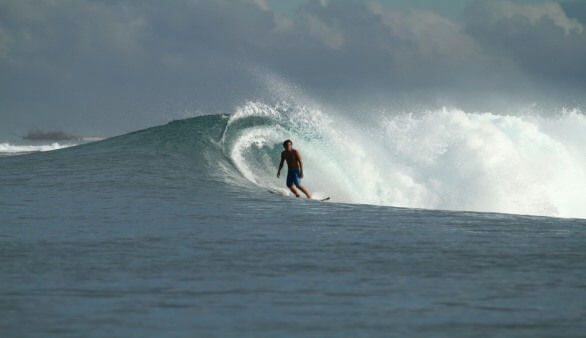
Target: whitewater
point(441, 223)
point(445, 159)
point(8, 149)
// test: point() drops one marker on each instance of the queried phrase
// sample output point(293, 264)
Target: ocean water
point(441, 224)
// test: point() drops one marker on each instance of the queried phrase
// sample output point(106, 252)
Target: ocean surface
point(441, 224)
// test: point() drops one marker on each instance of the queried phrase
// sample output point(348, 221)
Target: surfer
point(295, 168)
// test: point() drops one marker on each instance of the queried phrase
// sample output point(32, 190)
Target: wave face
point(446, 159)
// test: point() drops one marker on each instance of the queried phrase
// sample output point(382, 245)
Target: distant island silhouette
point(41, 135)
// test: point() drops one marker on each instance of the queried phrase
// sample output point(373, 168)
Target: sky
point(445, 7)
point(104, 67)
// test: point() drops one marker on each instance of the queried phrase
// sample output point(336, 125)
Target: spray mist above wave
point(445, 159)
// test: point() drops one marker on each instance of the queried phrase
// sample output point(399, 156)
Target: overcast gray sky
point(101, 67)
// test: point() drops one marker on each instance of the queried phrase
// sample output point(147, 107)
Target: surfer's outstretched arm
point(281, 164)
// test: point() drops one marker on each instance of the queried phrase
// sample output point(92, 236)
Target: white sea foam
point(445, 159)
point(7, 149)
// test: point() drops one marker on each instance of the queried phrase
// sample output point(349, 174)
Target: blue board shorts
point(293, 177)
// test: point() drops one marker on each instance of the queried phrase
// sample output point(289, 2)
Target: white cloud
point(283, 23)
point(536, 12)
point(428, 32)
point(262, 4)
point(540, 39)
point(329, 34)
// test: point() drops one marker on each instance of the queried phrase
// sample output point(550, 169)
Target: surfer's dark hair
point(285, 143)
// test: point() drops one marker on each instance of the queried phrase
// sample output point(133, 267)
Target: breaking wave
point(445, 159)
point(8, 149)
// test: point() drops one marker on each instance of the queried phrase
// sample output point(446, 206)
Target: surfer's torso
point(292, 158)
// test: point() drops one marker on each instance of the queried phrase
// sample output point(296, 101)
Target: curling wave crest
point(445, 159)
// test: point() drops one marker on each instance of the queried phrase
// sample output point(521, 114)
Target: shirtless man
point(295, 168)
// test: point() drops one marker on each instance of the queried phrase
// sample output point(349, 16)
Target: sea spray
point(444, 159)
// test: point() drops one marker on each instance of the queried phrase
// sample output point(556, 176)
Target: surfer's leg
point(302, 188)
point(291, 182)
point(293, 190)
